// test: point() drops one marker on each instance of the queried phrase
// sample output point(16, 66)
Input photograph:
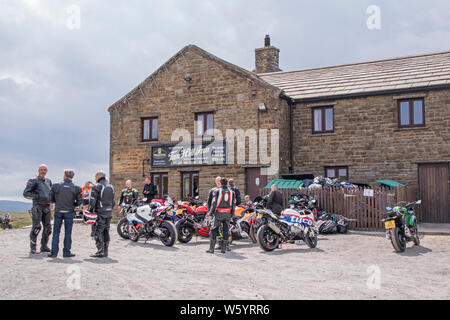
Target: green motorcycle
point(401, 225)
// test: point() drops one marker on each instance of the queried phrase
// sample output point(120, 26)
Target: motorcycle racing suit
point(102, 202)
point(38, 190)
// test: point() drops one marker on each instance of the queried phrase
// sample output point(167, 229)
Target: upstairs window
point(149, 129)
point(203, 123)
point(411, 113)
point(323, 120)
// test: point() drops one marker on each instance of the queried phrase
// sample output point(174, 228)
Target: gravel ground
point(341, 267)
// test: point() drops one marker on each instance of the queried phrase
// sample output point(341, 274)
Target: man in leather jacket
point(38, 190)
point(275, 200)
point(66, 197)
point(222, 209)
point(129, 195)
point(102, 202)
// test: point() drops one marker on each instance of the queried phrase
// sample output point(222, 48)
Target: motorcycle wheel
point(416, 239)
point(133, 233)
point(398, 240)
point(169, 235)
point(185, 233)
point(311, 241)
point(122, 228)
point(268, 240)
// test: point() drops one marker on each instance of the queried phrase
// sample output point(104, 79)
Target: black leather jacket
point(66, 196)
point(38, 190)
point(102, 200)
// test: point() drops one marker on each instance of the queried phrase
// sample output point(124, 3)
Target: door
point(189, 185)
point(161, 180)
point(434, 192)
point(255, 182)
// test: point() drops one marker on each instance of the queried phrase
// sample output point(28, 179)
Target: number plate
point(389, 224)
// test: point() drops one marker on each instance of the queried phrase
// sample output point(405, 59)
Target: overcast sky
point(57, 81)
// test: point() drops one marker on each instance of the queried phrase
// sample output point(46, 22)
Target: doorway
point(434, 192)
point(255, 182)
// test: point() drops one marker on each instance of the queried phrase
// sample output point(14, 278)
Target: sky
point(63, 63)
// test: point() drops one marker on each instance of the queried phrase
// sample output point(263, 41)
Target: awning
point(285, 184)
point(390, 183)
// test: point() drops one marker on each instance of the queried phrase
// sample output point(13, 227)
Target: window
point(149, 129)
point(189, 184)
point(323, 120)
point(161, 180)
point(411, 113)
point(203, 123)
point(340, 173)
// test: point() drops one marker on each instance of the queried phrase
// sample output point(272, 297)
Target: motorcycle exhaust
point(157, 232)
point(276, 230)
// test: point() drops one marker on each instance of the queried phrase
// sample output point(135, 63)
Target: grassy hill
point(20, 219)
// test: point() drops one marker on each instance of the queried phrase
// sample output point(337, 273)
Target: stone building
point(364, 122)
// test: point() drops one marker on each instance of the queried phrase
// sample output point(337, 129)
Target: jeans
point(68, 224)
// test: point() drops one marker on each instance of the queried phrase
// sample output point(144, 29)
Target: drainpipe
point(291, 130)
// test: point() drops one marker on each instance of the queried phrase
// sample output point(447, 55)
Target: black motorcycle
point(401, 225)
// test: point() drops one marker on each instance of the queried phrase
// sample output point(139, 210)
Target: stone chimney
point(267, 59)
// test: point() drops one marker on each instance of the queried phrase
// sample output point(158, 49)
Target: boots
point(105, 249)
point(33, 247)
point(228, 246)
point(45, 249)
point(223, 249)
point(212, 244)
point(101, 251)
point(219, 245)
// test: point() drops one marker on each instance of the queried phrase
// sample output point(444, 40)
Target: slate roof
point(362, 79)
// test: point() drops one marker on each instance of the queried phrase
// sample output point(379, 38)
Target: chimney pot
point(267, 41)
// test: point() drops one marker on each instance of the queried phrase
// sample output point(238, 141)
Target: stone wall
point(214, 87)
point(367, 138)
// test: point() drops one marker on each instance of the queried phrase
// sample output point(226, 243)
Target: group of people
point(66, 196)
point(98, 202)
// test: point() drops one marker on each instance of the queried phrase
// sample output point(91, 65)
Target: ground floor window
point(340, 173)
point(189, 184)
point(161, 180)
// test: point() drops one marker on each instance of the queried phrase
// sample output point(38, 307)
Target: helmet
point(89, 217)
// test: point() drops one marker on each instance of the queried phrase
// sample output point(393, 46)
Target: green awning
point(285, 184)
point(390, 183)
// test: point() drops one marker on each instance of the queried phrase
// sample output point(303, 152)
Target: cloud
point(56, 84)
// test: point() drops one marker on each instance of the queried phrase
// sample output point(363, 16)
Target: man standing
point(275, 200)
point(211, 193)
point(129, 195)
point(236, 191)
point(222, 209)
point(102, 202)
point(150, 190)
point(66, 197)
point(86, 192)
point(38, 190)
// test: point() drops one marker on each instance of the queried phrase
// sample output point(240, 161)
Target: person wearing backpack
point(102, 203)
point(222, 209)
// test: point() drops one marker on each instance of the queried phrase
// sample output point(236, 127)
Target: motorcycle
point(301, 201)
point(122, 226)
point(7, 222)
point(152, 221)
point(193, 221)
point(291, 225)
point(401, 225)
point(242, 226)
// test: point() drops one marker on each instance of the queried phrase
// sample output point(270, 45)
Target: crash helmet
point(89, 217)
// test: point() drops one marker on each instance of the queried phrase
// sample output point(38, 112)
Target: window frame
point(411, 113)
point(205, 123)
point(336, 172)
point(191, 182)
point(150, 119)
point(322, 120)
point(160, 185)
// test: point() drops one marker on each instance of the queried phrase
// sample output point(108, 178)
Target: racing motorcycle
point(242, 226)
point(303, 201)
point(193, 221)
point(291, 225)
point(401, 225)
point(122, 226)
point(153, 221)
